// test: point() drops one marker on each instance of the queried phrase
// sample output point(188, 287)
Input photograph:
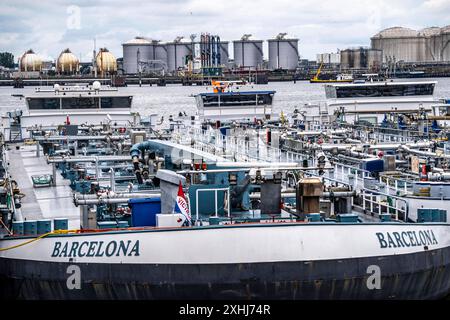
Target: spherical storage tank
point(30, 62)
point(177, 52)
point(248, 52)
point(106, 62)
point(67, 63)
point(283, 53)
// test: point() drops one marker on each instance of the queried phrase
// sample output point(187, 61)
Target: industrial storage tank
point(400, 44)
point(431, 42)
point(67, 63)
point(106, 62)
point(224, 54)
point(30, 62)
point(248, 52)
point(374, 59)
point(160, 53)
point(283, 53)
point(177, 51)
point(139, 48)
point(346, 59)
point(445, 44)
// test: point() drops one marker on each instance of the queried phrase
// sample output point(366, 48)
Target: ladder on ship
point(15, 126)
point(15, 133)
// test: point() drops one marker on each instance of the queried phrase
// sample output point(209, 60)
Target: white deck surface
point(42, 202)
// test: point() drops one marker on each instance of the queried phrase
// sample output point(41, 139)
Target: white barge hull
point(254, 261)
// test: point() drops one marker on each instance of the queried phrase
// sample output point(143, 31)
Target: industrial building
point(248, 52)
point(283, 53)
point(408, 45)
point(361, 59)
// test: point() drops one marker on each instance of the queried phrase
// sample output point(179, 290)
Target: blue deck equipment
point(144, 211)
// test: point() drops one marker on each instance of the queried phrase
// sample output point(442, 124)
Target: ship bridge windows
point(116, 102)
point(369, 91)
point(237, 100)
point(67, 103)
point(80, 103)
point(43, 103)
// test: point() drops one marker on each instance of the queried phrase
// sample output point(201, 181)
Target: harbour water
point(175, 98)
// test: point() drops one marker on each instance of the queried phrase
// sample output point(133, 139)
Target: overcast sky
point(48, 27)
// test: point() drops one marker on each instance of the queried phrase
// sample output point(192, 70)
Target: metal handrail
point(216, 190)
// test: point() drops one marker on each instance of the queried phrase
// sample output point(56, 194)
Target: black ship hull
point(423, 275)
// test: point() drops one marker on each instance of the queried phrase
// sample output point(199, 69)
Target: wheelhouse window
point(116, 102)
point(80, 103)
point(237, 100)
point(43, 103)
point(380, 91)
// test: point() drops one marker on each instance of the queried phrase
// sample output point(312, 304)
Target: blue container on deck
point(61, 223)
point(30, 227)
point(347, 217)
point(44, 226)
point(372, 165)
point(385, 217)
point(144, 211)
point(17, 228)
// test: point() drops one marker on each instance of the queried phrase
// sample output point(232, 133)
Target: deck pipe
point(110, 200)
point(136, 151)
point(105, 195)
point(87, 159)
point(75, 138)
point(326, 195)
point(423, 153)
point(442, 176)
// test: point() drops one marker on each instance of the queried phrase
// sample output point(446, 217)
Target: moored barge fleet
point(348, 199)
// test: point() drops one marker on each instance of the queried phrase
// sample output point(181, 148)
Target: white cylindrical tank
point(283, 53)
point(346, 59)
point(248, 52)
point(445, 44)
point(160, 53)
point(30, 62)
point(177, 51)
point(224, 54)
point(139, 48)
point(374, 59)
point(429, 42)
point(399, 44)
